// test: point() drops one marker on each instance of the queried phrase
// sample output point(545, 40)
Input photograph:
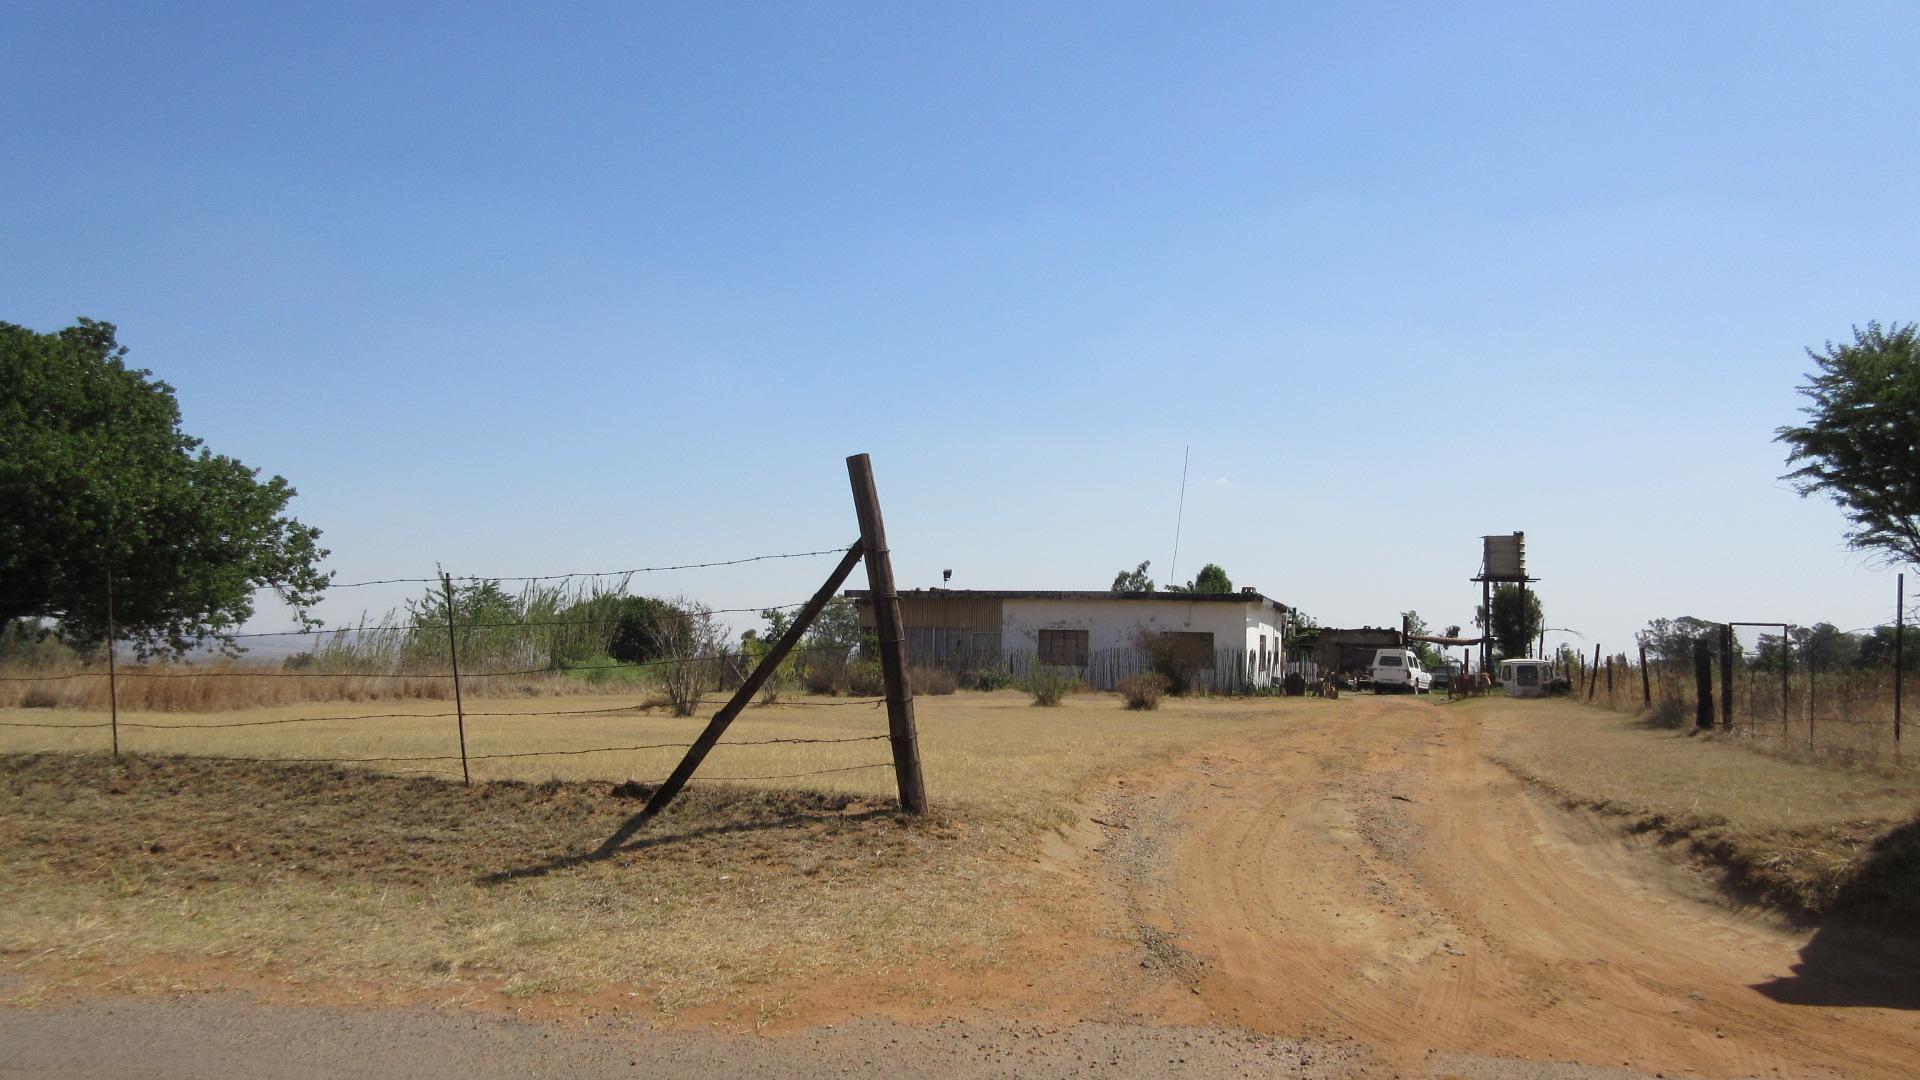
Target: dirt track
point(1359, 893)
point(1375, 876)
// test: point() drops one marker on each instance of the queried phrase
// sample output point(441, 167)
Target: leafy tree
point(1861, 443)
point(97, 479)
point(1671, 640)
point(645, 629)
point(1429, 656)
point(1876, 649)
point(1135, 580)
point(1210, 579)
point(1516, 621)
point(1825, 646)
point(837, 628)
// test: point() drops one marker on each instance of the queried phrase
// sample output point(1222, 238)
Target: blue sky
point(525, 291)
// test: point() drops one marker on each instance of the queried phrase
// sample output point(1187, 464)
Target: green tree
point(1429, 656)
point(1135, 580)
point(1825, 646)
point(1210, 579)
point(1860, 445)
point(644, 629)
point(1517, 619)
point(1671, 640)
point(97, 478)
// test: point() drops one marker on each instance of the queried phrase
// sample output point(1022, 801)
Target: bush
point(931, 680)
point(988, 678)
point(1669, 714)
point(1168, 660)
point(1143, 691)
point(1048, 683)
point(864, 679)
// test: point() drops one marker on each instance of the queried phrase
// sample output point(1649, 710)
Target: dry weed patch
point(1808, 837)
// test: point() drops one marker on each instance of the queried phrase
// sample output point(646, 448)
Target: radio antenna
point(1178, 515)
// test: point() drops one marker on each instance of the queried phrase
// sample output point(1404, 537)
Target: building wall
point(1111, 624)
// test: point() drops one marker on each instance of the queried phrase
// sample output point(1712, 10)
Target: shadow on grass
point(1867, 955)
point(622, 839)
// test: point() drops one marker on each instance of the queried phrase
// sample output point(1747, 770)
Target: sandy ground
point(1358, 893)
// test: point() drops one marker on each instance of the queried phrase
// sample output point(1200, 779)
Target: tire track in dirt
point(1371, 875)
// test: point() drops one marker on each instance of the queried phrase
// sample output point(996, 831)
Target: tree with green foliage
point(1517, 619)
point(1429, 656)
point(643, 629)
point(1671, 641)
point(1860, 445)
point(1210, 579)
point(97, 479)
point(1135, 580)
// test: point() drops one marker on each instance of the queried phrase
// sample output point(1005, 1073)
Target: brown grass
point(1808, 837)
point(238, 685)
point(319, 872)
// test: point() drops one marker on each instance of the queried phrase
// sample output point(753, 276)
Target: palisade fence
point(507, 658)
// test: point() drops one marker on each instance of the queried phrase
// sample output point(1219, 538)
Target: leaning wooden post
point(893, 637)
point(1702, 684)
point(1593, 673)
point(717, 727)
point(1726, 677)
point(453, 654)
point(1646, 682)
point(114, 675)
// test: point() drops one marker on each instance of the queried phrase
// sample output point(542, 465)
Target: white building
point(1233, 638)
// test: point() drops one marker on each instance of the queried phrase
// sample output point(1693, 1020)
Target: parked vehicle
point(1443, 676)
point(1398, 671)
point(1525, 678)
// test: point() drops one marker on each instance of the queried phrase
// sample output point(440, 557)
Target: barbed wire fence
point(708, 667)
point(1783, 696)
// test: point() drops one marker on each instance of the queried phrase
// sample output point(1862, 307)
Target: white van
point(1398, 671)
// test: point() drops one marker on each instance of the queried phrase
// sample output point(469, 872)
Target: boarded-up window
point(1191, 648)
point(1063, 647)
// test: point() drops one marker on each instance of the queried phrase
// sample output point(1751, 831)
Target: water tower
point(1503, 560)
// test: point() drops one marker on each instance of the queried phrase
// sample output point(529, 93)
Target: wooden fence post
point(1646, 682)
point(722, 719)
point(893, 637)
point(1899, 654)
point(1702, 684)
point(1593, 675)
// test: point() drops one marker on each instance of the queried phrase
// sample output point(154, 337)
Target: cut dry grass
point(1808, 837)
point(317, 871)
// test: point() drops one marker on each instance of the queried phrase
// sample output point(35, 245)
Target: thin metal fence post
point(113, 677)
point(1899, 654)
point(1726, 677)
point(453, 654)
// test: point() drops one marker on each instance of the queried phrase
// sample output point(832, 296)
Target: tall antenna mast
point(1178, 515)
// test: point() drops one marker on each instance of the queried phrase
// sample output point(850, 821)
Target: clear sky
point(542, 288)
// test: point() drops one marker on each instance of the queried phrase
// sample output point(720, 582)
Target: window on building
point(1263, 652)
point(1063, 647)
point(1192, 648)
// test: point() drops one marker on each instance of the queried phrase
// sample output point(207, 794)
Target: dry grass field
point(1805, 835)
point(400, 878)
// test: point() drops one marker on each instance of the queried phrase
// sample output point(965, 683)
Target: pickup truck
point(1398, 671)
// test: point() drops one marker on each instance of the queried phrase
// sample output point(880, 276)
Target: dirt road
point(1362, 893)
point(1375, 876)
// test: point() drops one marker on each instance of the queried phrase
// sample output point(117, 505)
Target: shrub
point(1167, 659)
point(932, 680)
point(864, 679)
point(691, 644)
point(989, 678)
point(1143, 691)
point(1048, 683)
point(1668, 714)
